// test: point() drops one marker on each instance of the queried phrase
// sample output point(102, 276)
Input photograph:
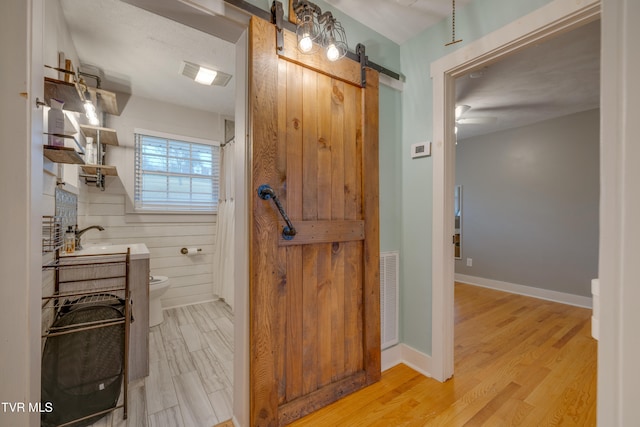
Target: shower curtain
point(223, 257)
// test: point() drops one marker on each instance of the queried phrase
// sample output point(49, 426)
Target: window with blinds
point(173, 175)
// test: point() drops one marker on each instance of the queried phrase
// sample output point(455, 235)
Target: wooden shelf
point(106, 99)
point(107, 136)
point(62, 155)
point(105, 169)
point(63, 91)
point(63, 135)
point(67, 92)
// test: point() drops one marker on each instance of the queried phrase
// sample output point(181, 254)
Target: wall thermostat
point(420, 149)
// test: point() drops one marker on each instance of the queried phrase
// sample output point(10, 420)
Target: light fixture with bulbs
point(316, 29)
point(308, 31)
point(89, 109)
point(334, 37)
point(90, 112)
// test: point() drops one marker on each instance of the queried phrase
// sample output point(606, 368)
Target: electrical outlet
point(469, 262)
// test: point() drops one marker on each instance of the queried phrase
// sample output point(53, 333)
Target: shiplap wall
point(191, 277)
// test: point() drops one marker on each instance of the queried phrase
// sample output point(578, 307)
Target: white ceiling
point(140, 52)
point(397, 20)
point(558, 77)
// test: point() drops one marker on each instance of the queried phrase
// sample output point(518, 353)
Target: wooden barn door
point(314, 299)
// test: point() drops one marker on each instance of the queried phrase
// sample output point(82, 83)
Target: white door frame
point(21, 39)
point(242, 157)
point(556, 17)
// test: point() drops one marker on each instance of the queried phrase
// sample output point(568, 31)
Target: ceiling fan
point(479, 120)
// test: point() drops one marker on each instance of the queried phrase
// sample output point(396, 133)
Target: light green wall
point(472, 22)
point(390, 167)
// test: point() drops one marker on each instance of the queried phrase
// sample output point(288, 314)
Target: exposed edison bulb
point(90, 112)
point(305, 44)
point(332, 52)
point(89, 108)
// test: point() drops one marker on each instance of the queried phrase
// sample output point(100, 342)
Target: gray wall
point(530, 204)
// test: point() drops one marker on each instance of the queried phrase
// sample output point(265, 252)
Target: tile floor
point(190, 371)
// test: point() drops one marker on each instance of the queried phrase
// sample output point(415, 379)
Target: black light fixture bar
point(268, 16)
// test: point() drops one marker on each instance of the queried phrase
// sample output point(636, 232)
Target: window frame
point(136, 209)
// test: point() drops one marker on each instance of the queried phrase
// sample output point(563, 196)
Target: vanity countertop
point(138, 250)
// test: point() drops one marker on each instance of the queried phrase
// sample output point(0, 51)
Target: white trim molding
point(402, 353)
point(554, 18)
point(618, 269)
point(529, 291)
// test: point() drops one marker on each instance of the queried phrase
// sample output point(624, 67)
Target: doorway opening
point(544, 23)
point(178, 107)
point(527, 156)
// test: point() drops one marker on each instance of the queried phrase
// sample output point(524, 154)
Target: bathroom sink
point(138, 250)
point(98, 246)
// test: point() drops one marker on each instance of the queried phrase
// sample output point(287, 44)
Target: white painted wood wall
point(191, 276)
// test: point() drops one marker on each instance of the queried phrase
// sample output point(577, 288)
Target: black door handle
point(265, 192)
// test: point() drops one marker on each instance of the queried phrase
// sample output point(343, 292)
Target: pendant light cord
point(453, 25)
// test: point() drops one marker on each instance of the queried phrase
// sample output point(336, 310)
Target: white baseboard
point(402, 353)
point(529, 291)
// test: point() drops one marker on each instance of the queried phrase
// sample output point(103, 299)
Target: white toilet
point(158, 285)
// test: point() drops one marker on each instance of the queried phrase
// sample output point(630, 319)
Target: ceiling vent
point(189, 69)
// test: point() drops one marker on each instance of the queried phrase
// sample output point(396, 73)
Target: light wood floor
point(190, 378)
point(519, 361)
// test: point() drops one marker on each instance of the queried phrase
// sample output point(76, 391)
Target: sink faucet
point(79, 233)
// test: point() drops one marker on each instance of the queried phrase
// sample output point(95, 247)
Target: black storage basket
point(82, 371)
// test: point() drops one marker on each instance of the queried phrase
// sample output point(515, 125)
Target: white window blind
point(175, 176)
